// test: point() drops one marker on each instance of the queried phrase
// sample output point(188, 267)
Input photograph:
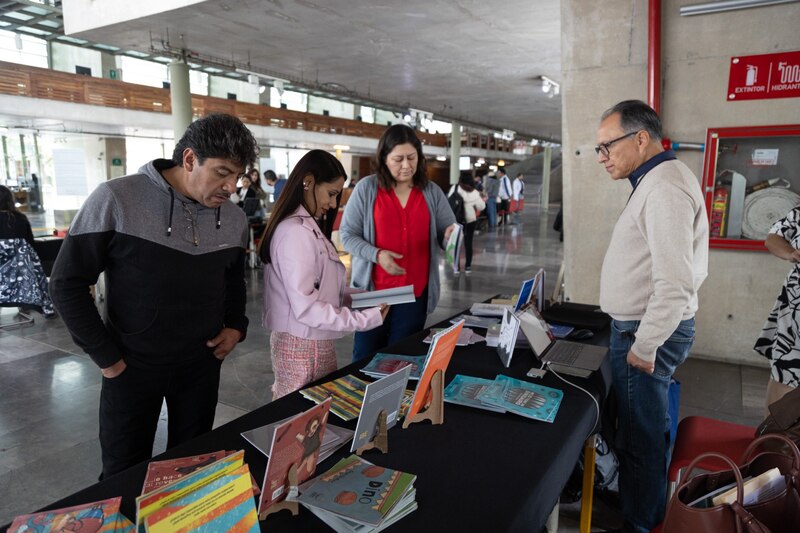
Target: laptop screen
point(535, 329)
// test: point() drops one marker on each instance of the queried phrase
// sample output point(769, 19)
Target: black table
point(479, 471)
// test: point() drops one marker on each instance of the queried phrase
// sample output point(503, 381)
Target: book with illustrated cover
point(466, 338)
point(161, 497)
point(383, 364)
point(295, 442)
point(452, 250)
point(524, 398)
point(160, 473)
point(335, 437)
point(507, 341)
point(472, 321)
point(348, 395)
point(95, 517)
point(465, 390)
point(490, 310)
point(439, 354)
point(359, 491)
point(386, 395)
point(391, 296)
point(225, 504)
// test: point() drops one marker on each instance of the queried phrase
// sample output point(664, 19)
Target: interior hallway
point(50, 389)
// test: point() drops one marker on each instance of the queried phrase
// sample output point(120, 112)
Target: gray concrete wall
point(604, 60)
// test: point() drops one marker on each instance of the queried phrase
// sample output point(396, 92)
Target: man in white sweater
point(654, 265)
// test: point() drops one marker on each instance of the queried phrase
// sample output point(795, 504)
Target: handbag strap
point(725, 459)
point(795, 452)
point(750, 522)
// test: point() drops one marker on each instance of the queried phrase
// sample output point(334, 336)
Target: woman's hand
point(386, 261)
point(384, 311)
point(449, 230)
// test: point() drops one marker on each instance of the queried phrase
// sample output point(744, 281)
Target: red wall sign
point(764, 76)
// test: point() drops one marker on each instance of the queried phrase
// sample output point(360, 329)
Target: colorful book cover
point(439, 354)
point(465, 390)
point(348, 395)
point(149, 503)
point(383, 364)
point(386, 395)
point(452, 251)
point(295, 442)
point(526, 399)
point(225, 504)
point(97, 517)
point(160, 473)
point(358, 490)
point(507, 341)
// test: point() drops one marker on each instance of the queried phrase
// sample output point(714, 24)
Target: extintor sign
point(764, 76)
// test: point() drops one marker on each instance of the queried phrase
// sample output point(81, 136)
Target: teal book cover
point(524, 398)
point(466, 390)
point(384, 364)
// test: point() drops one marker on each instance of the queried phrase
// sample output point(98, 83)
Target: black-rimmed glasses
point(603, 147)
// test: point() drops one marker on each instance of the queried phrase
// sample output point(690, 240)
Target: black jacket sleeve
point(236, 297)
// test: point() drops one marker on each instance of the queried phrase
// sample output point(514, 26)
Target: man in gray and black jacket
point(171, 244)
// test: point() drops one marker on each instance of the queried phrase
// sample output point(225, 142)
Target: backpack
point(457, 205)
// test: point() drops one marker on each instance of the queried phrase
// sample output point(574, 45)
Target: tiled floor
point(49, 390)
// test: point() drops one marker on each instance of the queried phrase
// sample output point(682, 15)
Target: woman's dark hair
point(7, 202)
point(395, 136)
point(219, 136)
point(466, 181)
point(635, 115)
point(324, 168)
point(255, 177)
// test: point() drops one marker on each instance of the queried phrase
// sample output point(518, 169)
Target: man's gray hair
point(636, 115)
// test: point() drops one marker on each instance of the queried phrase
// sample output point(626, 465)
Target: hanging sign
point(764, 76)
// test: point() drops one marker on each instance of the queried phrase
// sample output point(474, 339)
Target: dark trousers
point(469, 234)
point(402, 321)
point(130, 405)
point(504, 207)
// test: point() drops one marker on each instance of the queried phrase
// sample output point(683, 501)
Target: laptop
point(565, 354)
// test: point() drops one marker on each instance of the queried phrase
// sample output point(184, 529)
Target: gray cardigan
point(358, 233)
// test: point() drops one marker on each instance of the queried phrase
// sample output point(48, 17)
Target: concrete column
point(6, 159)
point(115, 151)
point(108, 62)
point(548, 157)
point(455, 152)
point(181, 97)
point(23, 157)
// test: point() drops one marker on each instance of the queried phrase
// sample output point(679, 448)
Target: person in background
point(473, 204)
point(245, 191)
point(13, 224)
point(393, 225)
point(269, 178)
point(479, 184)
point(306, 302)
point(504, 192)
point(278, 187)
point(490, 189)
point(172, 246)
point(517, 198)
point(779, 341)
point(255, 183)
point(655, 263)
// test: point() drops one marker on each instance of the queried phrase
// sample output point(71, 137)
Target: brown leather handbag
point(779, 514)
point(784, 417)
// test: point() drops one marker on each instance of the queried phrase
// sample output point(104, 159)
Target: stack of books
point(505, 394)
point(334, 438)
point(383, 364)
point(356, 495)
point(99, 517)
point(348, 395)
point(465, 338)
point(472, 321)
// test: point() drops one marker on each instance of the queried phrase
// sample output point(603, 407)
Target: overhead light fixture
point(343, 147)
point(501, 162)
point(550, 86)
point(261, 89)
point(441, 158)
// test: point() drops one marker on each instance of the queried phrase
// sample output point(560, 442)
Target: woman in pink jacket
point(306, 302)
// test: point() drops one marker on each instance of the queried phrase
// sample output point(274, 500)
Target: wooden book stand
point(381, 440)
point(283, 504)
point(435, 411)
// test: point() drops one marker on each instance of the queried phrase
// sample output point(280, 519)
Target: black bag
point(784, 417)
point(457, 205)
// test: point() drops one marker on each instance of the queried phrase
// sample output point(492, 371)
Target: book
point(392, 296)
point(439, 354)
point(560, 331)
point(334, 438)
point(758, 489)
point(493, 310)
point(99, 517)
point(524, 398)
point(466, 337)
point(507, 341)
point(160, 473)
point(386, 395)
point(464, 390)
point(452, 250)
point(161, 497)
point(472, 321)
point(295, 442)
point(493, 338)
point(358, 491)
point(348, 394)
point(383, 364)
point(225, 504)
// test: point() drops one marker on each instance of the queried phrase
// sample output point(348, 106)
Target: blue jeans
point(491, 211)
point(403, 320)
point(643, 424)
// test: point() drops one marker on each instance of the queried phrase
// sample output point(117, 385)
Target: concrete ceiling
point(474, 60)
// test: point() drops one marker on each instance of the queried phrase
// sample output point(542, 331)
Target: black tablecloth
point(479, 471)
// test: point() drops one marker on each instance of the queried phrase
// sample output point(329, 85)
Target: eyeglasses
point(603, 148)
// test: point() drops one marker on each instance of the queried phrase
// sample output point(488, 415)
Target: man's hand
point(386, 261)
point(114, 370)
point(224, 342)
point(640, 364)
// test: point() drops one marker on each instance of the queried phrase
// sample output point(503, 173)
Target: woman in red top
point(393, 225)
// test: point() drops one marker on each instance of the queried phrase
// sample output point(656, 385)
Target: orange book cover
point(439, 354)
